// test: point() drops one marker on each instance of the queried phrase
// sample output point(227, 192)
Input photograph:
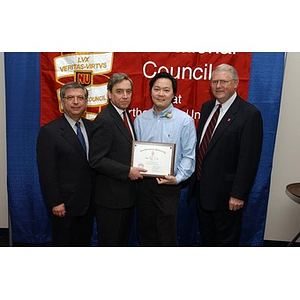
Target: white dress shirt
point(225, 106)
point(83, 130)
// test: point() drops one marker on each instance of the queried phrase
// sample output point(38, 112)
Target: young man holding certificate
point(158, 197)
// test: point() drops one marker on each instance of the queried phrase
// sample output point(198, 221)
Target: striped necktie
point(205, 141)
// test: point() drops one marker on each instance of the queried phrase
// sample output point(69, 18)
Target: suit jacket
point(65, 174)
point(230, 163)
point(110, 157)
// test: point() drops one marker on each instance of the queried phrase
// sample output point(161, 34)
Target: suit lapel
point(88, 127)
point(203, 118)
point(68, 133)
point(226, 121)
point(119, 122)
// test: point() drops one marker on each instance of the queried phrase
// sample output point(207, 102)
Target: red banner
point(192, 71)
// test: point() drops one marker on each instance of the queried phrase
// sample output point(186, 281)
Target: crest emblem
point(84, 78)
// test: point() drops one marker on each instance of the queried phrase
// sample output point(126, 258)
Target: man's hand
point(235, 204)
point(135, 174)
point(59, 210)
point(168, 179)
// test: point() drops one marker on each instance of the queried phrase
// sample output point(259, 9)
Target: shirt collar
point(71, 121)
point(164, 113)
point(119, 110)
point(227, 104)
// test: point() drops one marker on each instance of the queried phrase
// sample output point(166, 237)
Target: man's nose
point(218, 84)
point(161, 92)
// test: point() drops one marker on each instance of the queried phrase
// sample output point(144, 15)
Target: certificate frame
point(157, 158)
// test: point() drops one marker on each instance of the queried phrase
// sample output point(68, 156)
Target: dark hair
point(116, 78)
point(164, 75)
point(73, 85)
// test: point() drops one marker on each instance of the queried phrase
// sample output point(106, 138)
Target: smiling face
point(162, 94)
point(74, 103)
point(121, 94)
point(222, 85)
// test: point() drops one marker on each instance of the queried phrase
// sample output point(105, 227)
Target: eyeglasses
point(222, 82)
point(72, 98)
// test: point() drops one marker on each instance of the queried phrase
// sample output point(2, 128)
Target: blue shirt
point(170, 126)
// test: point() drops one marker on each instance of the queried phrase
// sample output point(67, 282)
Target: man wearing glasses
point(65, 175)
point(229, 142)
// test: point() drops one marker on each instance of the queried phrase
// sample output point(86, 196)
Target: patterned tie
point(80, 136)
point(205, 141)
point(126, 122)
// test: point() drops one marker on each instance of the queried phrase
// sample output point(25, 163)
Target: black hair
point(164, 75)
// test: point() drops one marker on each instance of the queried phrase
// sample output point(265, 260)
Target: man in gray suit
point(110, 157)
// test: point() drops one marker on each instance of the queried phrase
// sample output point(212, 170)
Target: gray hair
point(73, 85)
point(229, 68)
point(116, 78)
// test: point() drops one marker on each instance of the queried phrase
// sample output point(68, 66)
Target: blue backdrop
point(29, 219)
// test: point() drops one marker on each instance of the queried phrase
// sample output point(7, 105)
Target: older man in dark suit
point(110, 157)
point(65, 174)
point(230, 134)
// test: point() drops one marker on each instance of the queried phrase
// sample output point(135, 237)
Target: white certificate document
point(156, 158)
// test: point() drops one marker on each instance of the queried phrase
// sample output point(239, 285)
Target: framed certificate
point(156, 158)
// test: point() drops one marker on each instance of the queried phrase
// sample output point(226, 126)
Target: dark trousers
point(72, 231)
point(157, 209)
point(219, 228)
point(114, 225)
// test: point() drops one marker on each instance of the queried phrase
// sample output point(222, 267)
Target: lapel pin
point(228, 120)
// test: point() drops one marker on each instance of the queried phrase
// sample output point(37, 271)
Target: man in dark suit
point(110, 157)
point(65, 175)
point(227, 161)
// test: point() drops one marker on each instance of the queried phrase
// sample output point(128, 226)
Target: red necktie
point(126, 122)
point(205, 141)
